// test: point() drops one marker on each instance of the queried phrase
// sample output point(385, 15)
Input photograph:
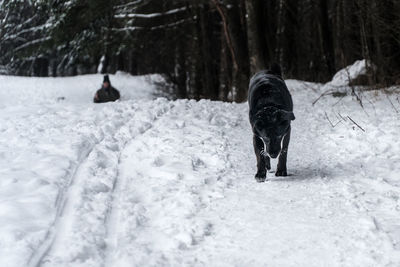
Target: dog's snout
point(274, 154)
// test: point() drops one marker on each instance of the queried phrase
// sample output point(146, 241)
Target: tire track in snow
point(86, 148)
point(60, 204)
point(80, 234)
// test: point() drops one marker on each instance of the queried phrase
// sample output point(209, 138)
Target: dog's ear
point(275, 69)
point(287, 115)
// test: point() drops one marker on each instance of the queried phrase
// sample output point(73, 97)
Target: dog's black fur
point(271, 111)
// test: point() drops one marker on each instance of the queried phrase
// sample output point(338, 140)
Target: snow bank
point(345, 76)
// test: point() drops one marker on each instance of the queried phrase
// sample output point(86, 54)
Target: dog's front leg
point(261, 174)
point(281, 168)
point(267, 161)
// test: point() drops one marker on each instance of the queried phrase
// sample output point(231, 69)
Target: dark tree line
point(206, 48)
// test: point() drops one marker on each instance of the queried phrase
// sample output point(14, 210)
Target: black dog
point(271, 111)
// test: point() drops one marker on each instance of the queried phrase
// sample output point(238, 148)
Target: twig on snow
point(333, 125)
point(397, 111)
point(356, 123)
point(337, 117)
point(322, 95)
point(343, 118)
point(338, 101)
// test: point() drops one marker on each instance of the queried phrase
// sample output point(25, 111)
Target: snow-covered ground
point(153, 182)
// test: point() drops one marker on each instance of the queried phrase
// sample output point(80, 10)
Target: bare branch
point(152, 15)
point(226, 31)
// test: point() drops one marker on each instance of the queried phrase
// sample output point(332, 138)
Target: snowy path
point(170, 183)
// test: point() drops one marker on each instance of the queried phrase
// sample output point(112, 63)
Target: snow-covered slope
point(74, 90)
point(152, 182)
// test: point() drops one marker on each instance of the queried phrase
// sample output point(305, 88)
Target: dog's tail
point(275, 69)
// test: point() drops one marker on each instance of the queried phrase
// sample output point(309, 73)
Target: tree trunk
point(180, 52)
point(254, 34)
point(326, 35)
point(279, 32)
point(208, 81)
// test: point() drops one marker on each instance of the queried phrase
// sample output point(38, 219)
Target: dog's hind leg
point(261, 174)
point(281, 168)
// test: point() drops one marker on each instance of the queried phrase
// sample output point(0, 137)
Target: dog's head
point(275, 69)
point(271, 125)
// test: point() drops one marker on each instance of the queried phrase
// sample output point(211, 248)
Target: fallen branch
point(356, 123)
point(322, 95)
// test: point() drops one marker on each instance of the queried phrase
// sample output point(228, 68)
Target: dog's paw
point(281, 173)
point(260, 177)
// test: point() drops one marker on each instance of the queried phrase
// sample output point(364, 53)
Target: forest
point(205, 48)
point(129, 135)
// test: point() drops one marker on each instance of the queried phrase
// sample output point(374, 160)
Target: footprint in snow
point(158, 162)
point(197, 163)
